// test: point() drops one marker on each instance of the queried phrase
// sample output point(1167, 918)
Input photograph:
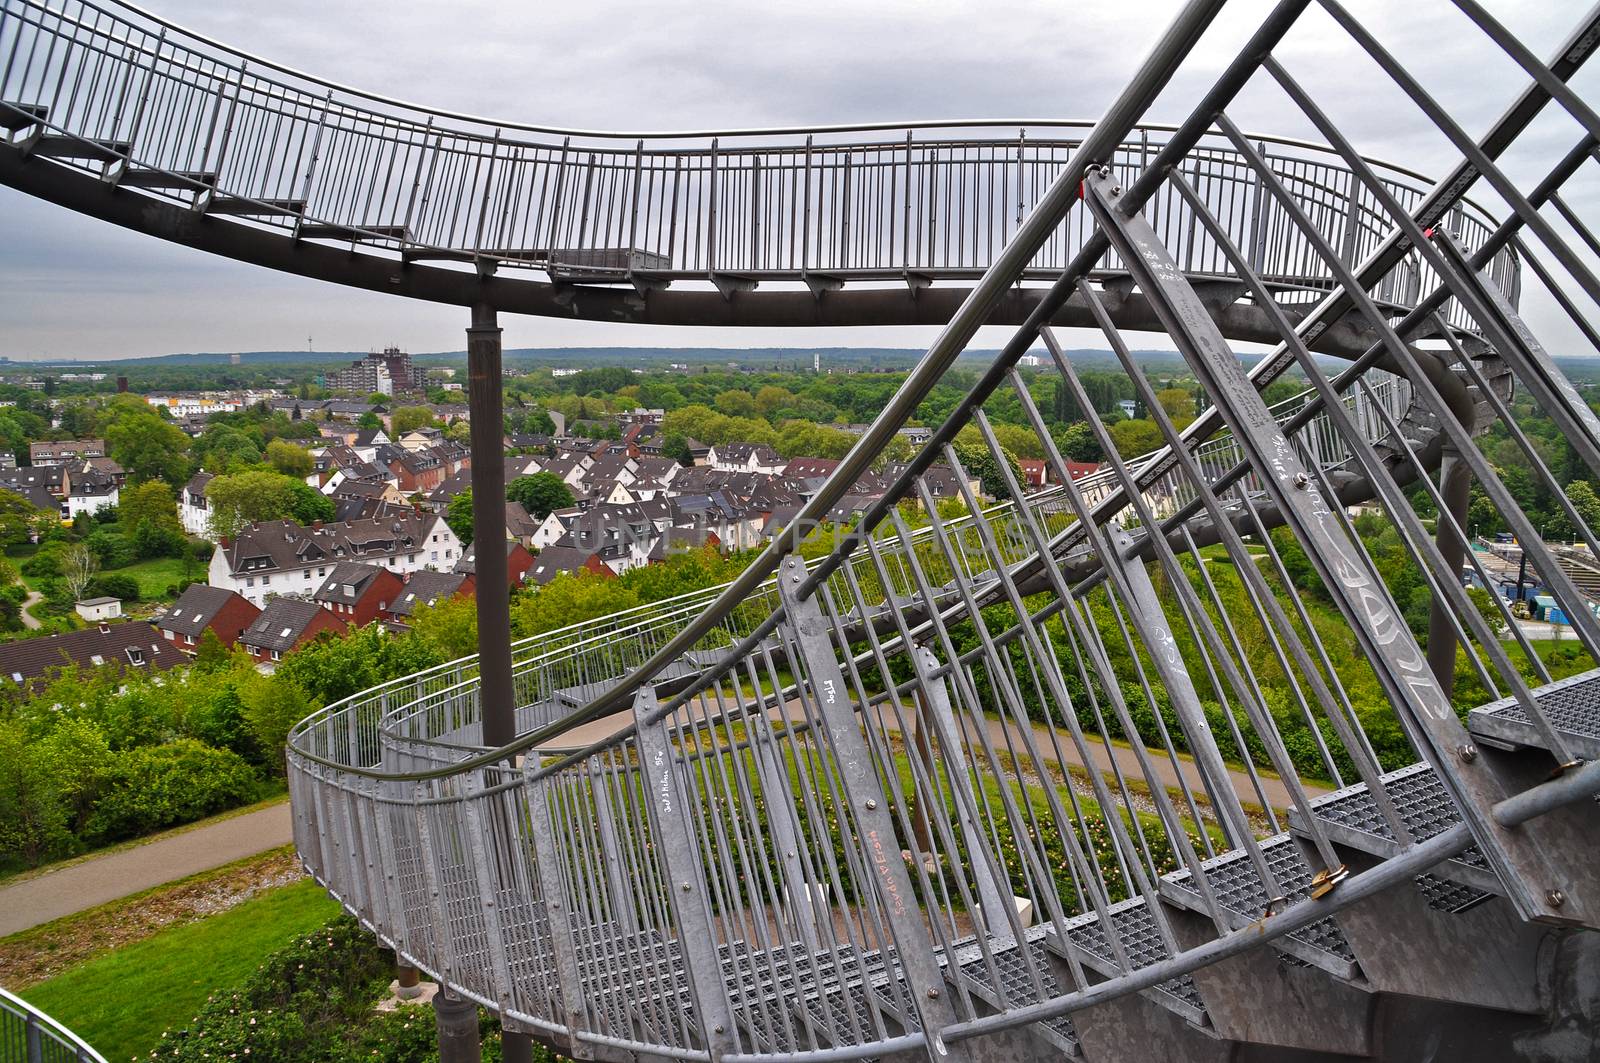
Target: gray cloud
point(70, 286)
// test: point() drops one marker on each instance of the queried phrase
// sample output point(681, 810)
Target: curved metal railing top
point(181, 118)
point(26, 1033)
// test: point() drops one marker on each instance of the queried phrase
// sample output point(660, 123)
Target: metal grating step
point(51, 146)
point(1242, 895)
point(1572, 706)
point(262, 208)
point(15, 116)
point(178, 180)
point(1141, 941)
point(1350, 817)
point(320, 231)
point(1016, 987)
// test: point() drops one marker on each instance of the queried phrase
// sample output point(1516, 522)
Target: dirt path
point(101, 879)
point(1045, 741)
point(28, 620)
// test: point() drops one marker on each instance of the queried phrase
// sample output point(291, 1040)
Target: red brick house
point(284, 624)
point(201, 608)
point(357, 593)
point(426, 588)
point(518, 562)
point(555, 561)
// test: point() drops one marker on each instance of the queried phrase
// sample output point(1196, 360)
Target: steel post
point(457, 1020)
point(1455, 486)
point(489, 526)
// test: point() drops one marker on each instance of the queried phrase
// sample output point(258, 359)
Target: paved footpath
point(101, 879)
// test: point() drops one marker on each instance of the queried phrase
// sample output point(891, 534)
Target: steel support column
point(457, 1019)
point(1455, 486)
point(489, 526)
point(495, 705)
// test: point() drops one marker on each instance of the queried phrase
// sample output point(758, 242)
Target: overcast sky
point(74, 287)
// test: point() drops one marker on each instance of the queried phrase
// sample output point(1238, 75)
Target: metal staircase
point(1099, 772)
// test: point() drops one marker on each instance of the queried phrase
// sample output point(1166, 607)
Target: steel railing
point(28, 1035)
point(919, 201)
point(936, 782)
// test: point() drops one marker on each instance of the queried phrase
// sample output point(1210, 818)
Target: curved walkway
point(30, 621)
point(102, 879)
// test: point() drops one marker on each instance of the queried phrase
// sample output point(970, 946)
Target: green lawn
point(156, 575)
point(121, 1001)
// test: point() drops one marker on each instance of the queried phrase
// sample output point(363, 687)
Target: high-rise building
point(387, 373)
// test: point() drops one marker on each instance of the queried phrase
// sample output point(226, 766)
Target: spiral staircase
point(1006, 784)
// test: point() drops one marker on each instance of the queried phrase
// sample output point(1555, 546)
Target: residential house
point(128, 645)
point(746, 457)
point(283, 625)
point(427, 588)
point(518, 562)
point(282, 556)
point(810, 468)
point(520, 525)
point(358, 593)
point(556, 561)
point(201, 608)
point(62, 451)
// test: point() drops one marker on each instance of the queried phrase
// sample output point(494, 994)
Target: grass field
point(121, 1001)
point(156, 575)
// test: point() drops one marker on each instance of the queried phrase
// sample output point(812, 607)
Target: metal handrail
point(404, 181)
point(28, 1035)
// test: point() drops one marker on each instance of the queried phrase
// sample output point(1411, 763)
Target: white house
point(283, 557)
point(746, 457)
point(194, 511)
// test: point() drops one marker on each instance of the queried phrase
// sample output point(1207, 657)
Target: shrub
point(114, 585)
point(110, 549)
point(158, 540)
point(46, 561)
point(153, 787)
point(312, 1000)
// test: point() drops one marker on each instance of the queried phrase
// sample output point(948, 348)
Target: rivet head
point(717, 1028)
point(933, 992)
point(1556, 898)
point(871, 804)
point(1301, 481)
point(1467, 752)
point(685, 887)
point(795, 578)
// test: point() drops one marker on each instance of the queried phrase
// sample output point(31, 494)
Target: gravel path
point(102, 879)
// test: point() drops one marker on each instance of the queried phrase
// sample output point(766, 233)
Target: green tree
point(151, 502)
point(979, 463)
point(289, 459)
point(33, 810)
point(451, 625)
point(271, 706)
point(1076, 442)
point(1136, 437)
point(540, 494)
point(240, 498)
point(147, 447)
point(409, 418)
point(570, 599)
point(369, 421)
point(1178, 404)
point(309, 505)
point(20, 519)
point(458, 515)
point(332, 667)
